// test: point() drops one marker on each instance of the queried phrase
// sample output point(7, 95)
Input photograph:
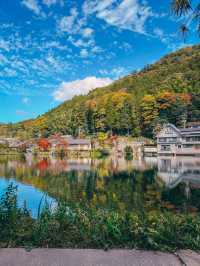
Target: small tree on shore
point(44, 145)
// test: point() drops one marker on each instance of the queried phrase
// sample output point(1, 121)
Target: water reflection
point(28, 195)
point(145, 184)
point(175, 170)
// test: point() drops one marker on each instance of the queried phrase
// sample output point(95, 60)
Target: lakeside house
point(53, 144)
point(150, 150)
point(179, 141)
point(57, 143)
point(79, 144)
point(68, 143)
point(118, 145)
point(12, 143)
point(31, 146)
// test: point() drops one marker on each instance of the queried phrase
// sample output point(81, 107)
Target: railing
point(175, 140)
point(150, 149)
point(190, 141)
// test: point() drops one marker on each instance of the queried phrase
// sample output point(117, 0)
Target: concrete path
point(88, 257)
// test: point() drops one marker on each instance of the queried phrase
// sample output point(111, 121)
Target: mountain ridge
point(176, 77)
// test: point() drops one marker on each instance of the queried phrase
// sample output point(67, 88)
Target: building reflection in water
point(145, 183)
point(176, 170)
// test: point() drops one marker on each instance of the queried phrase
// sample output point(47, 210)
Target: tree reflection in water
point(149, 184)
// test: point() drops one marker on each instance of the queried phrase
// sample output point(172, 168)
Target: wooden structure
point(178, 141)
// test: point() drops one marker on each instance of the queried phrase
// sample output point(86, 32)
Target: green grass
point(78, 227)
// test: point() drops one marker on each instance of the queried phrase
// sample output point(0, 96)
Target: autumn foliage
point(165, 92)
point(42, 165)
point(44, 144)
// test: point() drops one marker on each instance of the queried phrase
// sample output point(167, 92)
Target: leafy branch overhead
point(188, 10)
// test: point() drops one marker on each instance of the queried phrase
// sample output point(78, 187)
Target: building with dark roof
point(69, 143)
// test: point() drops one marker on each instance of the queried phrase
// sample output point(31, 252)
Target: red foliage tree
point(42, 165)
point(44, 144)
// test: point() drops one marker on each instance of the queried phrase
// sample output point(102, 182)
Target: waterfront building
point(68, 143)
point(179, 141)
point(12, 143)
point(150, 150)
point(79, 144)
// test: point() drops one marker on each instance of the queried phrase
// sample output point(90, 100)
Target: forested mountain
point(138, 104)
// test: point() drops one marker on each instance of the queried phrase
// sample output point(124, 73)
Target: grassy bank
point(77, 227)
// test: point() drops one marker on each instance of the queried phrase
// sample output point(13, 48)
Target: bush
point(128, 153)
point(77, 227)
point(128, 150)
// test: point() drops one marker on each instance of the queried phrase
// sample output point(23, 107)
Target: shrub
point(128, 153)
point(78, 227)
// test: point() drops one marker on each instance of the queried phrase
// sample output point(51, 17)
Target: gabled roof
point(174, 127)
point(183, 131)
point(171, 126)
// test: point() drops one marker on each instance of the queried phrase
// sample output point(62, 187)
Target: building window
point(165, 148)
point(191, 139)
point(188, 146)
point(168, 140)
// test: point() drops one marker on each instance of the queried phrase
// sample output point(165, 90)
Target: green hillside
point(138, 104)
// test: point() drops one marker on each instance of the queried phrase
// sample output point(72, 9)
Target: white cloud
point(81, 43)
point(68, 23)
point(159, 32)
point(79, 34)
point(6, 25)
point(87, 32)
point(25, 100)
point(118, 71)
point(3, 60)
point(96, 50)
point(76, 26)
point(67, 90)
point(124, 14)
point(84, 53)
point(32, 5)
point(49, 3)
point(90, 6)
point(126, 46)
point(54, 44)
point(4, 45)
point(167, 39)
point(115, 73)
point(8, 72)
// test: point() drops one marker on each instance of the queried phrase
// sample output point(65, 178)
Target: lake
point(142, 184)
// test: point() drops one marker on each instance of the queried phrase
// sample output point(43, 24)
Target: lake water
point(149, 184)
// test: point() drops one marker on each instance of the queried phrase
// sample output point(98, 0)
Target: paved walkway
point(88, 257)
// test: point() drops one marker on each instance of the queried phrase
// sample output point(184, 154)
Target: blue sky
point(51, 50)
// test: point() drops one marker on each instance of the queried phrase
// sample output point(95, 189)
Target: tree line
point(117, 113)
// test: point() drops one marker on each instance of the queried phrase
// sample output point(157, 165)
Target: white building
point(79, 144)
point(179, 141)
point(69, 143)
point(182, 169)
